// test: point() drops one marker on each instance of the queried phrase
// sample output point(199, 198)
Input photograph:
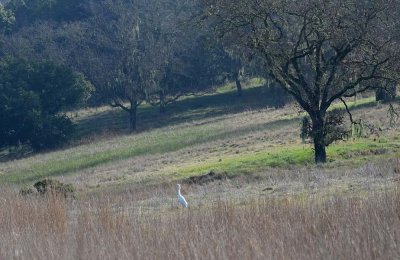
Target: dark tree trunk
point(133, 116)
point(238, 85)
point(162, 102)
point(320, 152)
point(385, 95)
point(163, 108)
point(318, 139)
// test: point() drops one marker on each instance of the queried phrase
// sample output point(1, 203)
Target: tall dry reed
point(107, 228)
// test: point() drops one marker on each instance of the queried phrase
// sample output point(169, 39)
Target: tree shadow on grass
point(65, 167)
point(185, 110)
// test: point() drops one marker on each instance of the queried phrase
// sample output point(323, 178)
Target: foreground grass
point(107, 227)
point(278, 206)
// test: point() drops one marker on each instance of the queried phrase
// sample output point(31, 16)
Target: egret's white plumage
point(181, 199)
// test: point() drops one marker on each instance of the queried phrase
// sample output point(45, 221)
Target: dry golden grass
point(157, 155)
point(127, 207)
point(300, 213)
point(253, 132)
point(106, 227)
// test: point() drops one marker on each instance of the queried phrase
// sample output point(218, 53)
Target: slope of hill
point(252, 187)
point(218, 132)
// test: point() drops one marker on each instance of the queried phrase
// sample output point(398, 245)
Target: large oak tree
point(319, 51)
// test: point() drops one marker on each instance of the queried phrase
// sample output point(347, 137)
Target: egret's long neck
point(178, 191)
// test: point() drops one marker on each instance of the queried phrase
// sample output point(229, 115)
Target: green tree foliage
point(33, 99)
point(132, 51)
point(334, 128)
point(28, 12)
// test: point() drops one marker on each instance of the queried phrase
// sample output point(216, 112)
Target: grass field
point(290, 227)
point(253, 189)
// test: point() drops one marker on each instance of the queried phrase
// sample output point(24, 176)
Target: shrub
point(26, 191)
point(33, 101)
point(54, 187)
point(334, 128)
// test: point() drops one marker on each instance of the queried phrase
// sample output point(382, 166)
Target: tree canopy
point(33, 99)
point(28, 12)
point(153, 51)
point(318, 51)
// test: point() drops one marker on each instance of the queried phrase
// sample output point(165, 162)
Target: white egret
point(181, 199)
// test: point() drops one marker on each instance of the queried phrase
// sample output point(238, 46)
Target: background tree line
point(126, 52)
point(117, 52)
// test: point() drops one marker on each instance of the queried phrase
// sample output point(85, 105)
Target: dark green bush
point(51, 132)
point(335, 128)
point(34, 97)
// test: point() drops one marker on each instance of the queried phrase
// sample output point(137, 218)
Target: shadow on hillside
point(202, 110)
point(114, 122)
point(34, 175)
point(207, 108)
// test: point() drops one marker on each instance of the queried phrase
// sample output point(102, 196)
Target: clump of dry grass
point(106, 227)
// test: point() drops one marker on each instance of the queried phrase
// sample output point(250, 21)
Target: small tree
point(176, 56)
point(194, 69)
point(230, 64)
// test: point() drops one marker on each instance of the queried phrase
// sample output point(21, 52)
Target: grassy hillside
point(252, 187)
point(219, 132)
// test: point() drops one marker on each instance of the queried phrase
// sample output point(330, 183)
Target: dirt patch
point(206, 178)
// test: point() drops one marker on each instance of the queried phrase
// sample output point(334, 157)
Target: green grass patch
point(246, 84)
point(359, 150)
point(252, 162)
point(353, 152)
point(154, 142)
